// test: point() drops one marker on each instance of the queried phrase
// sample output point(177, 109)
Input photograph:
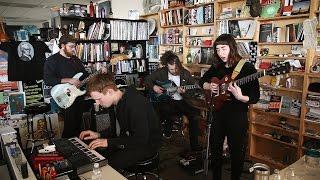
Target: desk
point(302, 171)
point(107, 173)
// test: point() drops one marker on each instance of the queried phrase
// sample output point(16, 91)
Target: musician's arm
point(252, 89)
point(151, 79)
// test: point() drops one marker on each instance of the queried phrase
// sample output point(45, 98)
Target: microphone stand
point(209, 122)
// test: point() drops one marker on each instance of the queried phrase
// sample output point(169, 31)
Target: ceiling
point(31, 11)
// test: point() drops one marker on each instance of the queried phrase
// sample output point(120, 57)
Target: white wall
point(120, 8)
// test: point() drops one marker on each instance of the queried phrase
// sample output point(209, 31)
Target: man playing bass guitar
point(230, 119)
point(169, 109)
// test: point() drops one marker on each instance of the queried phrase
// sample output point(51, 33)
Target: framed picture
point(17, 102)
point(114, 47)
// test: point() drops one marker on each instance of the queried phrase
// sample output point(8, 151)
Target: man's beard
point(67, 53)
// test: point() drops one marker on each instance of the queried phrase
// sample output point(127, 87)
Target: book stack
point(199, 15)
point(128, 30)
point(93, 52)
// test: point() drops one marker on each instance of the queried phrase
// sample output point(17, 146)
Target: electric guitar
point(170, 88)
point(65, 94)
point(223, 95)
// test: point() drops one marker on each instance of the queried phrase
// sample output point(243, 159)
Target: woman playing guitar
point(230, 117)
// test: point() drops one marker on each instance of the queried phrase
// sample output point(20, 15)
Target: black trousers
point(168, 110)
point(72, 118)
point(126, 158)
point(234, 125)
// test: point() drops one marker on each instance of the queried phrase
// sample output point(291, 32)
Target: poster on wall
point(33, 91)
point(4, 83)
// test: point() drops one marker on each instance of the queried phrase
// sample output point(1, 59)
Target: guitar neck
point(83, 82)
point(250, 78)
point(188, 87)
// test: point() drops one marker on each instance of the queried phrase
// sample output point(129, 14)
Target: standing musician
point(60, 68)
point(231, 119)
point(170, 108)
point(139, 130)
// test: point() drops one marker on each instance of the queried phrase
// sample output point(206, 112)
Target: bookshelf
point(105, 38)
point(261, 145)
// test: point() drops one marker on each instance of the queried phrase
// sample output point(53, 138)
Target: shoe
point(167, 135)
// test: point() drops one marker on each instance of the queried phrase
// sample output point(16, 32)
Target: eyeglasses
point(72, 46)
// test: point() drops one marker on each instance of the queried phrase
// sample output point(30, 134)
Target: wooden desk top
point(107, 173)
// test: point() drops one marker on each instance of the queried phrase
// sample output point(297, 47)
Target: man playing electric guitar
point(61, 68)
point(176, 105)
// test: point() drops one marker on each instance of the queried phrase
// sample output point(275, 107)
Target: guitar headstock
point(116, 58)
point(277, 69)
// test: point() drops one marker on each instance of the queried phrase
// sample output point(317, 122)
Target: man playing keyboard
point(139, 136)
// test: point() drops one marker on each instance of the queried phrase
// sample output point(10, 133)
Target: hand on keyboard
point(87, 135)
point(98, 143)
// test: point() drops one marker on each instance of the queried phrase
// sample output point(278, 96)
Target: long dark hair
point(171, 58)
point(234, 56)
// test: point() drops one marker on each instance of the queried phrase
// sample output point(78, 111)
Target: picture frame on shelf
point(17, 102)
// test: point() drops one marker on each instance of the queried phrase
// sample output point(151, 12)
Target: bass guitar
point(65, 94)
point(170, 88)
point(223, 95)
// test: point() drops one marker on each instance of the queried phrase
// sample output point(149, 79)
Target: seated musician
point(139, 136)
point(171, 107)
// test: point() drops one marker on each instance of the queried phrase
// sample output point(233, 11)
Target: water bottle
point(96, 172)
point(276, 175)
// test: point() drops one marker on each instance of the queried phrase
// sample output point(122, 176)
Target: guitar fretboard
point(188, 87)
point(250, 78)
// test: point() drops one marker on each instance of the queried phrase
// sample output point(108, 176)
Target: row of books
point(293, 33)
point(172, 36)
point(172, 17)
point(203, 55)
point(280, 104)
point(238, 28)
point(93, 52)
point(313, 104)
point(200, 15)
point(98, 31)
point(128, 30)
point(166, 4)
point(196, 2)
point(131, 66)
point(271, 8)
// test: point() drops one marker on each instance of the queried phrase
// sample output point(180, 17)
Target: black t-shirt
point(25, 59)
point(58, 67)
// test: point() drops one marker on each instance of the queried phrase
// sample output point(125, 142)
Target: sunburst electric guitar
point(65, 94)
point(223, 95)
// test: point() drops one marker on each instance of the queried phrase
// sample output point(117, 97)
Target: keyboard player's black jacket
point(139, 125)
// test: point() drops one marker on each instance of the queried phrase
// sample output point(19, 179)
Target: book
point(265, 34)
point(234, 28)
point(207, 55)
point(274, 103)
point(270, 8)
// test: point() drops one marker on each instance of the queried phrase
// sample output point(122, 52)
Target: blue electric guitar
point(170, 88)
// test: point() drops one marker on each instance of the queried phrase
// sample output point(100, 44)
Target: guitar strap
point(237, 69)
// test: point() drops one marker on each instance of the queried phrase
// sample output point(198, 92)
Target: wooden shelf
point(282, 88)
point(315, 75)
point(147, 15)
point(296, 74)
point(275, 140)
point(234, 18)
point(174, 8)
point(277, 114)
point(284, 17)
point(170, 26)
point(275, 127)
point(198, 65)
point(277, 57)
point(199, 25)
point(153, 36)
point(227, 1)
point(312, 122)
point(171, 44)
point(314, 93)
point(309, 136)
point(281, 43)
point(243, 38)
point(199, 5)
point(259, 158)
point(205, 35)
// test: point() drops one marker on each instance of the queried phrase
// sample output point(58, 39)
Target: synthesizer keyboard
point(78, 154)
